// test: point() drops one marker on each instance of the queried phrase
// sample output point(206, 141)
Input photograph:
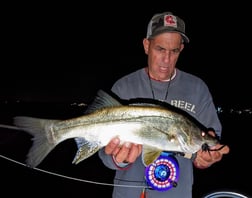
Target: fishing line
point(72, 178)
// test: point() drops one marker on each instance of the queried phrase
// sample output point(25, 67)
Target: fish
point(157, 126)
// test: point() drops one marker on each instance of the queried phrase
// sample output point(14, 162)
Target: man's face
point(163, 51)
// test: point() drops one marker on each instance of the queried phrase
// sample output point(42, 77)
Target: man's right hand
point(123, 153)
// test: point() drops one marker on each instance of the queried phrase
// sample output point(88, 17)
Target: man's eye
point(175, 51)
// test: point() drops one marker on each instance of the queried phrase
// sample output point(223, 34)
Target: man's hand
point(205, 159)
point(126, 153)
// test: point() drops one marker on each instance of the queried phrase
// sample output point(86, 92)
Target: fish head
point(208, 140)
point(192, 141)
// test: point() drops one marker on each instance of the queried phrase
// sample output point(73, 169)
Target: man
point(161, 80)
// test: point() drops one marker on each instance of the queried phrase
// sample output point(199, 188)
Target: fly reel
point(163, 173)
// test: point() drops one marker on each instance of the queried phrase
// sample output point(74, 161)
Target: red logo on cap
point(170, 20)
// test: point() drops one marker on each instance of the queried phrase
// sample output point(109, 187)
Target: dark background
point(56, 56)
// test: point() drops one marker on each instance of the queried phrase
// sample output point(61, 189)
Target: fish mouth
point(205, 147)
point(209, 149)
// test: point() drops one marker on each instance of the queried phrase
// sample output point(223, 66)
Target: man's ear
point(146, 44)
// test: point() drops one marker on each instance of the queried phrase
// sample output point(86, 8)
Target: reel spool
point(163, 173)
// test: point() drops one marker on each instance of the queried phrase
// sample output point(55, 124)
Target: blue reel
point(163, 173)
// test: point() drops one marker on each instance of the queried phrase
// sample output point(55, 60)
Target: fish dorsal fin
point(145, 104)
point(85, 150)
point(101, 100)
point(148, 102)
point(149, 155)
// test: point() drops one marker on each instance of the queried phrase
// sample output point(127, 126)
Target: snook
point(157, 127)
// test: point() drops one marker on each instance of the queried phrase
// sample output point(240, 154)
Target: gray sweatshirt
point(185, 91)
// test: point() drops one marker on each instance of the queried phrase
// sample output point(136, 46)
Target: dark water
point(93, 179)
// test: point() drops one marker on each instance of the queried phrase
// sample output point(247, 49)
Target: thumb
point(224, 150)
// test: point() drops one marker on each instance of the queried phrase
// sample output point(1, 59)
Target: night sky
point(62, 52)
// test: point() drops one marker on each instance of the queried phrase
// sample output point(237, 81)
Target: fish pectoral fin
point(85, 150)
point(149, 155)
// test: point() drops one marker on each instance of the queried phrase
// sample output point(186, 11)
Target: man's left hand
point(205, 159)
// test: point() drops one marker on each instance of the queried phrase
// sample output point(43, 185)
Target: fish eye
point(203, 134)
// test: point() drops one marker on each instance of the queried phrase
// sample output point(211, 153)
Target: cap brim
point(185, 38)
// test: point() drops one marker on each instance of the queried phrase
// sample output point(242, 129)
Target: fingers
point(224, 150)
point(200, 163)
point(112, 146)
point(123, 153)
point(212, 133)
point(127, 152)
point(211, 156)
point(134, 152)
point(205, 159)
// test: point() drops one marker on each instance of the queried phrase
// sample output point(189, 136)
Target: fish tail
point(42, 141)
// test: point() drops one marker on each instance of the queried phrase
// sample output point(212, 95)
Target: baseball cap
point(166, 22)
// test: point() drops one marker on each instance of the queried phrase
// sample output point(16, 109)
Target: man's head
point(166, 22)
point(163, 44)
